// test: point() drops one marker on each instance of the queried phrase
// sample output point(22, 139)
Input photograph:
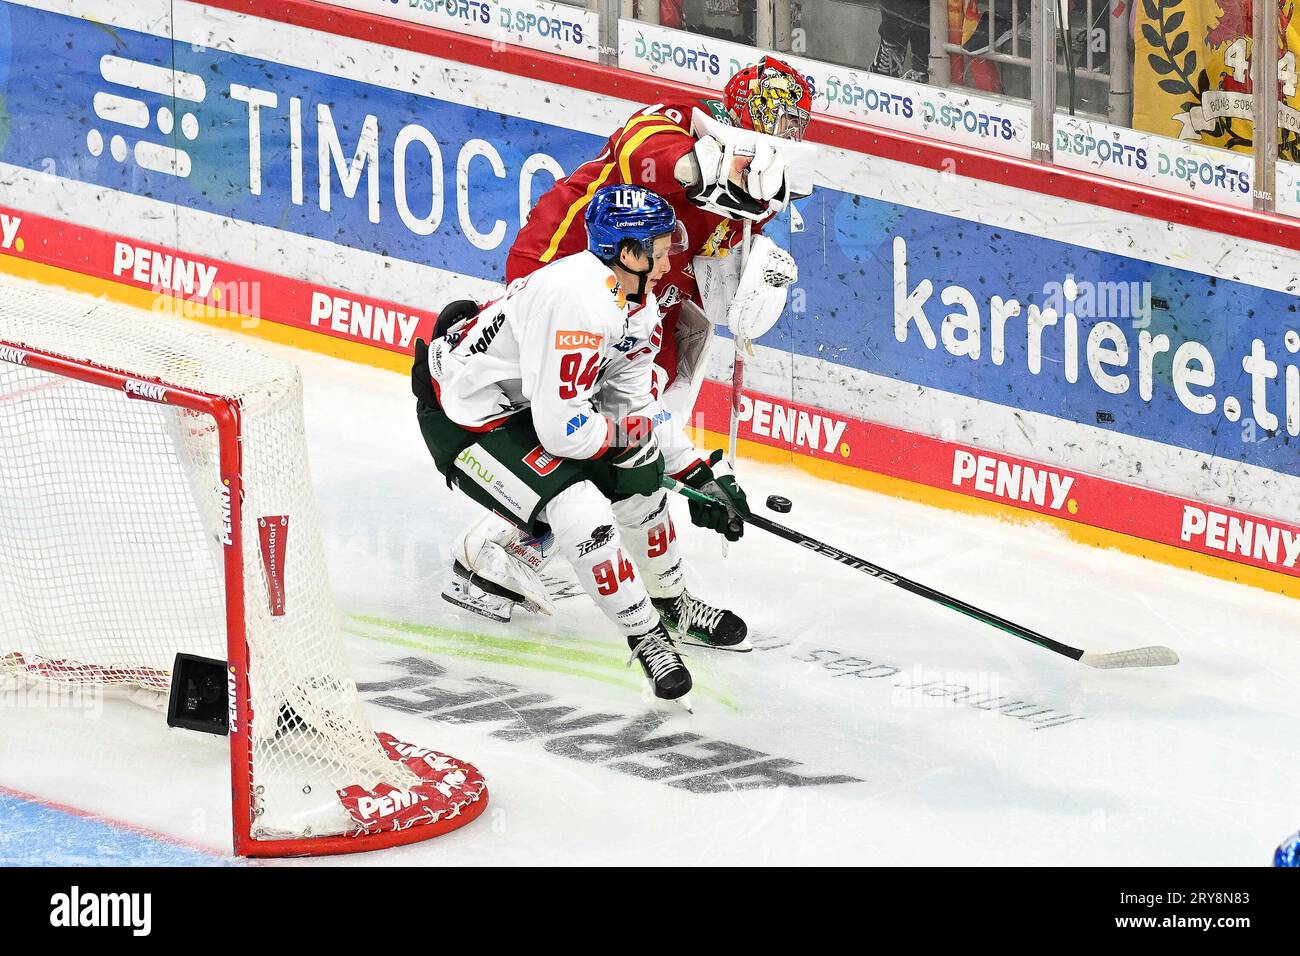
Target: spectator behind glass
point(904, 40)
point(720, 19)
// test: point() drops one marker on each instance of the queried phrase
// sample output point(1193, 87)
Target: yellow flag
point(1191, 73)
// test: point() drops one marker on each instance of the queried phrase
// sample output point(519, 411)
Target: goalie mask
point(772, 98)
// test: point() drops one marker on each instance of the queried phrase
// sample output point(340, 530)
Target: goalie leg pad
point(693, 333)
point(466, 590)
point(499, 561)
point(763, 289)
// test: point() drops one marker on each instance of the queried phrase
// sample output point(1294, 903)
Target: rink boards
point(1134, 380)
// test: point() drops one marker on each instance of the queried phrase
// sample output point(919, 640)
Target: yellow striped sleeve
point(578, 204)
point(627, 146)
point(625, 154)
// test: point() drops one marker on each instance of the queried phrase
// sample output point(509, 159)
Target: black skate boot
point(662, 664)
point(701, 624)
point(890, 58)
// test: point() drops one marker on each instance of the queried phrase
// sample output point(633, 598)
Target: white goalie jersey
point(565, 343)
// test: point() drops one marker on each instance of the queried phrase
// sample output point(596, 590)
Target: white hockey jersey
point(564, 342)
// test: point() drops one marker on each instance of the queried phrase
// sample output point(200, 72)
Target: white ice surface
point(1194, 764)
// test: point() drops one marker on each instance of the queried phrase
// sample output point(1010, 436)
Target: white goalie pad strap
point(694, 334)
point(764, 285)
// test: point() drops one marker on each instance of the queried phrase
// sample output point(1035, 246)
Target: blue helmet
point(635, 213)
point(1288, 854)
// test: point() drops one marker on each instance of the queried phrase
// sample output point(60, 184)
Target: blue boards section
point(908, 294)
point(420, 140)
point(32, 834)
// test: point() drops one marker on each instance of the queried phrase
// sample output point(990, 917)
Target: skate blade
point(741, 648)
point(500, 619)
point(534, 607)
point(685, 701)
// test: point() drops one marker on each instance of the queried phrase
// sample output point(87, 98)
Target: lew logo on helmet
point(632, 198)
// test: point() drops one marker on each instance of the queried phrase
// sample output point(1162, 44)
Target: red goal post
point(308, 776)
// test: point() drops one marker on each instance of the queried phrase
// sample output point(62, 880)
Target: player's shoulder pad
point(593, 292)
point(677, 113)
point(713, 107)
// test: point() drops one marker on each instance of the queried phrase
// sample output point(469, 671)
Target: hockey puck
point(779, 504)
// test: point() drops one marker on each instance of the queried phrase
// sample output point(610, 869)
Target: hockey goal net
point(155, 499)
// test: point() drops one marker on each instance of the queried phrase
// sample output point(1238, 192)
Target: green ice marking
point(513, 651)
point(605, 658)
point(494, 658)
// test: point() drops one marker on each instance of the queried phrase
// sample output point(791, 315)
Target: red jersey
point(644, 152)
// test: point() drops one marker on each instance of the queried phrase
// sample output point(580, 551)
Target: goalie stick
point(1135, 657)
point(737, 373)
point(738, 367)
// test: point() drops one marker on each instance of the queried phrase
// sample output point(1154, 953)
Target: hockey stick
point(737, 373)
point(1136, 657)
point(738, 366)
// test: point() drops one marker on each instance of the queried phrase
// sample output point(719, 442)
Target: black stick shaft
point(889, 577)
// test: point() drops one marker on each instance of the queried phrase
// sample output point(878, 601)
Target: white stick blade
point(1137, 657)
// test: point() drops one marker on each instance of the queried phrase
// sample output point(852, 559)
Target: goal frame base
point(246, 845)
point(226, 414)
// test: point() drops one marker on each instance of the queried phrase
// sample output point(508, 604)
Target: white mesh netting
point(110, 542)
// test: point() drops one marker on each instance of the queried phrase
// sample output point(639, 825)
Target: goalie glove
point(765, 177)
point(741, 174)
point(764, 286)
point(714, 477)
point(738, 180)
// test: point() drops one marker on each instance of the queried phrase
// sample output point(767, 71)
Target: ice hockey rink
point(868, 726)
